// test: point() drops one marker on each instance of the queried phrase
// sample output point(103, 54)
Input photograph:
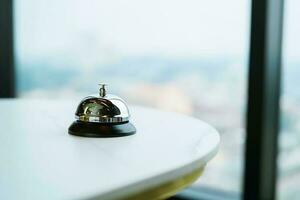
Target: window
point(184, 56)
point(289, 163)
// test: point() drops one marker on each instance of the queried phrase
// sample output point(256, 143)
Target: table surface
point(40, 160)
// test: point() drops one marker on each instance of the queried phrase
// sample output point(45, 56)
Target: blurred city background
point(184, 56)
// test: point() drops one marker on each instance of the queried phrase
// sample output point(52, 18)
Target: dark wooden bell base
point(89, 129)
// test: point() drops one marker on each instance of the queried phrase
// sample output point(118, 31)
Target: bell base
point(90, 129)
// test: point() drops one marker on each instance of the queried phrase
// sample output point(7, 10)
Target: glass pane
point(289, 159)
point(183, 56)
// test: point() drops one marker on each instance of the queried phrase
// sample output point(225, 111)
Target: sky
point(99, 30)
point(134, 27)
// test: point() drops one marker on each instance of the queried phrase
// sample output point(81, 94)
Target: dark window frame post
point(263, 100)
point(7, 71)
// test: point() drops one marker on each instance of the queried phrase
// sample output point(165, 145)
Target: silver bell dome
point(102, 108)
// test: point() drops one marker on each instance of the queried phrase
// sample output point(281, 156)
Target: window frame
point(262, 127)
point(7, 69)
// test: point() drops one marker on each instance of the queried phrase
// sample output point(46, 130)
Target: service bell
point(102, 115)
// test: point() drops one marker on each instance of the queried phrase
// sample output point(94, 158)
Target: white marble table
point(40, 160)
